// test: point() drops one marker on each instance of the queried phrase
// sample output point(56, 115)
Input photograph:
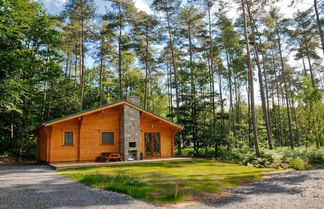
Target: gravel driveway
point(36, 186)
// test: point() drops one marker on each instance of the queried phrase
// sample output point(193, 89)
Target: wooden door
point(152, 145)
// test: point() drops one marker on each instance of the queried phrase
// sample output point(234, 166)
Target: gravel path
point(35, 186)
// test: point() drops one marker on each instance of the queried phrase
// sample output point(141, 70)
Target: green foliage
point(246, 156)
point(300, 164)
point(316, 156)
point(134, 53)
point(29, 73)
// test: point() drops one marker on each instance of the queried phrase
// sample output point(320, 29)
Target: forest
point(238, 75)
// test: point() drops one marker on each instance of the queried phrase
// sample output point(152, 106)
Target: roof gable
point(121, 102)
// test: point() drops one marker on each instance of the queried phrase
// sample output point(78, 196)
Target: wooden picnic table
point(107, 156)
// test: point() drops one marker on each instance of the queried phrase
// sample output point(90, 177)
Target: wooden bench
point(107, 156)
point(4, 159)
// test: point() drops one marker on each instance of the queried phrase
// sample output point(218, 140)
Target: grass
point(166, 181)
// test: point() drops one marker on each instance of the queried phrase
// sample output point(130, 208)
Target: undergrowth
point(284, 157)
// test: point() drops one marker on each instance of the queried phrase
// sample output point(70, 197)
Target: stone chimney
point(133, 100)
point(130, 130)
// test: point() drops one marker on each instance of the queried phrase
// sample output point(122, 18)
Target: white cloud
point(143, 6)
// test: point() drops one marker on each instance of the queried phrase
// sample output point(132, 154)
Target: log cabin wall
point(91, 129)
point(166, 131)
point(87, 135)
point(57, 150)
point(87, 141)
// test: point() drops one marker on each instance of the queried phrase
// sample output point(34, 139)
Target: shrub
point(246, 156)
point(312, 155)
point(300, 164)
point(316, 156)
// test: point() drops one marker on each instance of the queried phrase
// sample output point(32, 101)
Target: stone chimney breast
point(133, 100)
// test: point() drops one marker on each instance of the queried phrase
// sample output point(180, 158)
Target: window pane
point(68, 138)
point(156, 138)
point(148, 148)
point(107, 138)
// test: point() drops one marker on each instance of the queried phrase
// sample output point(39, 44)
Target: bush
point(246, 156)
point(281, 156)
point(313, 155)
point(316, 156)
point(300, 164)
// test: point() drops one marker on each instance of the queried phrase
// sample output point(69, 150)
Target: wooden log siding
point(92, 126)
point(167, 133)
point(87, 131)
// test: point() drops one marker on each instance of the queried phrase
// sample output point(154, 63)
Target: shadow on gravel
point(23, 168)
point(279, 184)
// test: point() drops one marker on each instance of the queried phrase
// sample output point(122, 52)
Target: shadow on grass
point(161, 187)
point(126, 184)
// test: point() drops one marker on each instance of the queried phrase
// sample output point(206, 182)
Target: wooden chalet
point(121, 129)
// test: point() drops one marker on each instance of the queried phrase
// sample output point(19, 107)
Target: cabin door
point(152, 145)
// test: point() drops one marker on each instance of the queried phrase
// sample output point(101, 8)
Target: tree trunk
point(193, 92)
point(175, 73)
point(250, 78)
point(170, 96)
point(310, 65)
point(76, 65)
point(120, 75)
point(100, 75)
point(211, 72)
point(263, 102)
point(249, 116)
point(318, 22)
point(146, 71)
point(82, 66)
point(230, 91)
point(286, 90)
point(304, 66)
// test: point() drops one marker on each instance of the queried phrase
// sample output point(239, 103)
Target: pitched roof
point(86, 112)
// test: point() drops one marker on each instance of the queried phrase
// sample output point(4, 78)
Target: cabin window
point(68, 138)
point(107, 138)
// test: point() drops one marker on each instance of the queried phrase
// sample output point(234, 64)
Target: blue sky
point(55, 6)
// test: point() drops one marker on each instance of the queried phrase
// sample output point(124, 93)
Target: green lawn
point(166, 181)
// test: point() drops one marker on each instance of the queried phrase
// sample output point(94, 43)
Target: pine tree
point(80, 13)
point(145, 32)
point(120, 19)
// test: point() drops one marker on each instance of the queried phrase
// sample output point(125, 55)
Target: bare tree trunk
point(120, 75)
point(286, 90)
point(279, 111)
point(263, 102)
point(170, 96)
point(175, 73)
point(249, 116)
point(251, 85)
point(76, 65)
point(146, 71)
point(82, 66)
point(304, 66)
point(318, 21)
point(310, 65)
point(100, 79)
point(211, 72)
